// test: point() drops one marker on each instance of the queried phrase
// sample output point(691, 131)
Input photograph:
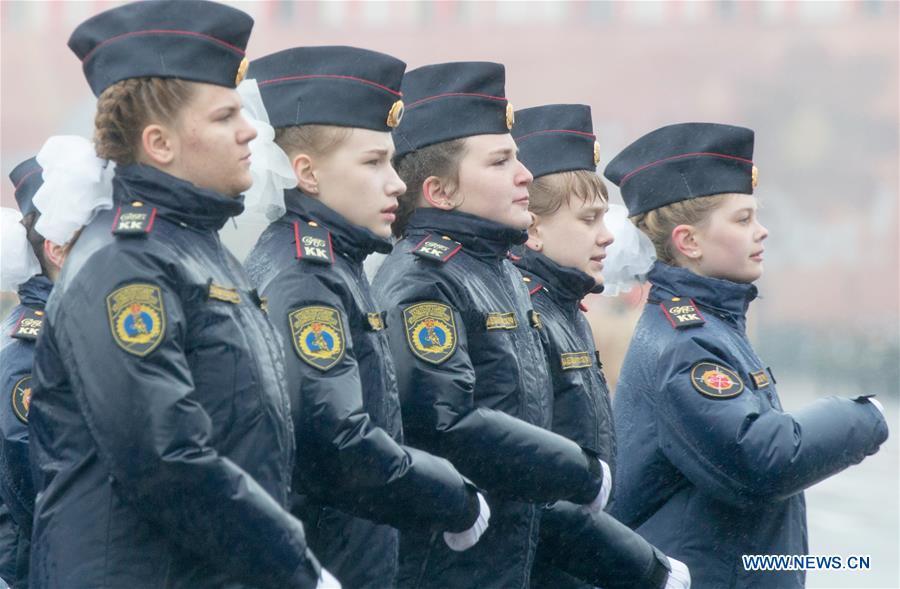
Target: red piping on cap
point(682, 156)
point(163, 32)
point(448, 94)
point(334, 76)
point(582, 133)
point(25, 177)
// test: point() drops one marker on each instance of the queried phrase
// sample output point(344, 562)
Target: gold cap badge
point(241, 71)
point(510, 115)
point(596, 152)
point(754, 176)
point(395, 115)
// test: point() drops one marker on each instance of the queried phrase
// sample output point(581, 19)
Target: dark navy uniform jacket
point(710, 466)
point(474, 388)
point(344, 396)
point(161, 438)
point(597, 549)
point(19, 334)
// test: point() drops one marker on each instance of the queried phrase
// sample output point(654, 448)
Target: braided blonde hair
point(127, 107)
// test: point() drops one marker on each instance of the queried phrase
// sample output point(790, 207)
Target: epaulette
point(29, 325)
point(682, 313)
point(313, 243)
point(439, 250)
point(533, 289)
point(134, 220)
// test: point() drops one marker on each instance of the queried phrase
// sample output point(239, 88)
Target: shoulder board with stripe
point(29, 325)
point(438, 249)
point(134, 220)
point(313, 243)
point(682, 313)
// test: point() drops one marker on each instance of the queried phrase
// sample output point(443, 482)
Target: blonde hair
point(659, 223)
point(315, 140)
point(441, 160)
point(126, 108)
point(548, 193)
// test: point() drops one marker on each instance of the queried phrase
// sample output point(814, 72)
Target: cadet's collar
point(350, 239)
point(726, 296)
point(35, 291)
point(564, 284)
point(478, 236)
point(175, 199)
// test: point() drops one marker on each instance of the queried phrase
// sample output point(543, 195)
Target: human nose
point(246, 132)
point(395, 185)
point(523, 176)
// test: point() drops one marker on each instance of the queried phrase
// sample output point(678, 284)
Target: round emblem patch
point(716, 381)
point(21, 398)
point(318, 335)
point(430, 331)
point(136, 318)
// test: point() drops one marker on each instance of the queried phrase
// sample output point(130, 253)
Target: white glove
point(878, 406)
point(464, 540)
point(327, 581)
point(679, 576)
point(599, 502)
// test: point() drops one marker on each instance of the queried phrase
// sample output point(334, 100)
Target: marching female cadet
point(562, 263)
point(710, 467)
point(40, 262)
point(160, 427)
point(473, 382)
point(333, 109)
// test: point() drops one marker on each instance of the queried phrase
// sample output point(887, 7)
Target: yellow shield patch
point(137, 318)
point(430, 331)
point(318, 335)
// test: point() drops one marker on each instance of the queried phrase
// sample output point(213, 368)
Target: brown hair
point(36, 241)
point(127, 107)
point(441, 160)
point(548, 193)
point(659, 223)
point(316, 140)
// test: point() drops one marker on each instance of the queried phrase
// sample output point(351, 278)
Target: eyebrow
point(225, 108)
point(377, 151)
point(503, 151)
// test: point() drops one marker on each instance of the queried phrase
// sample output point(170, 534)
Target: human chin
point(518, 218)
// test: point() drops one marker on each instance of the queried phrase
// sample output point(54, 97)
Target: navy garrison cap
point(342, 86)
point(193, 40)
point(449, 101)
point(556, 138)
point(684, 161)
point(27, 178)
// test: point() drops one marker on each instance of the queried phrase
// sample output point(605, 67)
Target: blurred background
point(817, 81)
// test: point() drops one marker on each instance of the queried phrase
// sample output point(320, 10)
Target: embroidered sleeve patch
point(573, 360)
point(313, 243)
point(440, 250)
point(29, 325)
point(318, 335)
point(21, 398)
point(137, 318)
point(760, 379)
point(430, 331)
point(716, 381)
point(501, 321)
point(682, 313)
